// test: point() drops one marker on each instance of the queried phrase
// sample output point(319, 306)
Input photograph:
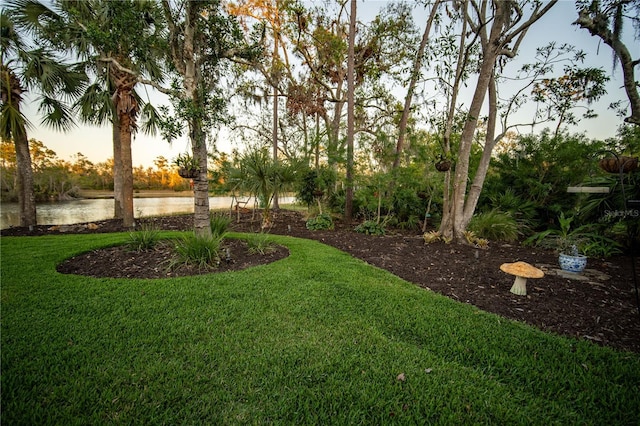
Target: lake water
point(80, 211)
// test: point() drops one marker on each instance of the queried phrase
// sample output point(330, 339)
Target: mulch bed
point(601, 307)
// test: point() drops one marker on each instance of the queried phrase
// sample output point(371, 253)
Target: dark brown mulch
point(602, 308)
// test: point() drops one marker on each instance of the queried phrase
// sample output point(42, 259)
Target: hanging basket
point(620, 164)
point(443, 165)
point(188, 173)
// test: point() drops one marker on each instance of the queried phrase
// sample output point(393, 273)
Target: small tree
point(264, 177)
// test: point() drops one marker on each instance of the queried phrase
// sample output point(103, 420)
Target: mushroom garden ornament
point(522, 271)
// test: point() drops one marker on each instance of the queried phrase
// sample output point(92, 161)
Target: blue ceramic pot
point(572, 263)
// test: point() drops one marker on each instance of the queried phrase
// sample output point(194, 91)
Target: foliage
point(186, 161)
point(536, 174)
point(476, 241)
point(315, 184)
point(564, 239)
point(258, 173)
point(260, 243)
point(562, 94)
point(320, 222)
point(201, 251)
point(431, 237)
point(219, 224)
point(144, 238)
point(495, 225)
point(435, 236)
point(371, 227)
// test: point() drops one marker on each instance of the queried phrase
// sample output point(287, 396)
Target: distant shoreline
point(142, 193)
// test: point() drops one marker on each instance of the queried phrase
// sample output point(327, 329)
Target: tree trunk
point(118, 200)
point(191, 81)
point(201, 224)
point(483, 167)
point(494, 45)
point(466, 142)
point(348, 208)
point(276, 206)
point(127, 171)
point(24, 184)
point(415, 73)
point(446, 225)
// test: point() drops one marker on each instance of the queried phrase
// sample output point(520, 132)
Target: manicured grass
point(317, 338)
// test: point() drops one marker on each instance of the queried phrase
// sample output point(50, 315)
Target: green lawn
point(317, 338)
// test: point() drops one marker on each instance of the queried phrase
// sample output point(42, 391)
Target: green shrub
point(495, 225)
point(412, 222)
point(260, 244)
point(202, 252)
point(322, 221)
point(144, 238)
point(219, 224)
point(371, 227)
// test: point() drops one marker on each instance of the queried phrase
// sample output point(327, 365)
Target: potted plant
point(569, 243)
point(444, 163)
point(619, 164)
point(187, 166)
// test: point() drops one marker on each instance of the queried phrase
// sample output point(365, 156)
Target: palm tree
point(121, 44)
point(27, 69)
point(264, 177)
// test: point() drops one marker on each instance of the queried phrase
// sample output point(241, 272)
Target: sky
point(95, 142)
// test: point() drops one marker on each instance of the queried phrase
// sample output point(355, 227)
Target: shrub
point(475, 241)
point(322, 221)
point(219, 224)
point(202, 252)
point(431, 237)
point(260, 244)
point(371, 227)
point(145, 238)
point(495, 225)
point(412, 222)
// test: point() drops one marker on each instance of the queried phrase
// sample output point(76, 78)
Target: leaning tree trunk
point(415, 75)
point(26, 196)
point(598, 27)
point(485, 160)
point(466, 141)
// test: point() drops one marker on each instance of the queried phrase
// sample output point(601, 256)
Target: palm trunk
point(117, 171)
point(201, 224)
point(127, 171)
point(26, 196)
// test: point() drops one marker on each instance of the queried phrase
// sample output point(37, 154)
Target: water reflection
point(79, 211)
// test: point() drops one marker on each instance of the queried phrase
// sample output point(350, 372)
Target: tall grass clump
point(219, 224)
point(203, 252)
point(495, 225)
point(144, 238)
point(260, 243)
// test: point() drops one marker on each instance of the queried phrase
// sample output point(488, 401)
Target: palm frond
point(95, 105)
point(151, 119)
point(56, 114)
point(13, 122)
